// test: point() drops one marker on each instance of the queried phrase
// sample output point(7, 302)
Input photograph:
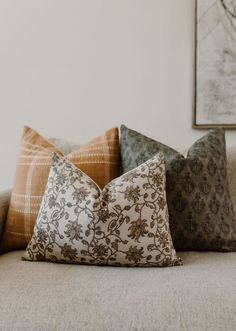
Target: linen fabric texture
point(125, 224)
point(99, 159)
point(199, 296)
point(198, 195)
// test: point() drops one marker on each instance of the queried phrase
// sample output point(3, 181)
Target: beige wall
point(74, 68)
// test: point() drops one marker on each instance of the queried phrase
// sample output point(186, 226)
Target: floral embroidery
point(80, 194)
point(51, 201)
point(134, 254)
point(126, 223)
point(132, 193)
point(60, 179)
point(68, 252)
point(74, 231)
point(42, 236)
point(138, 229)
point(101, 251)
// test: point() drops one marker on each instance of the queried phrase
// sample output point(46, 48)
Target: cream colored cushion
point(126, 223)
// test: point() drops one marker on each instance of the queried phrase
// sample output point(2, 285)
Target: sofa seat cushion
point(201, 295)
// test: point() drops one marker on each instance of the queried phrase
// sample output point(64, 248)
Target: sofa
point(200, 295)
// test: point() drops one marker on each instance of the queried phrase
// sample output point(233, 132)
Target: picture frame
point(215, 64)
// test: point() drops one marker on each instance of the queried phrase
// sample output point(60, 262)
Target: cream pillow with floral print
point(124, 224)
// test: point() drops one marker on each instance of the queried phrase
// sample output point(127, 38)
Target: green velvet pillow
point(199, 202)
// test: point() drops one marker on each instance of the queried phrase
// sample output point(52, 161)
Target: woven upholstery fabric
point(99, 159)
point(125, 224)
point(198, 194)
point(199, 296)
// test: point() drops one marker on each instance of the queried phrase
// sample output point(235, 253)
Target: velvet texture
point(198, 196)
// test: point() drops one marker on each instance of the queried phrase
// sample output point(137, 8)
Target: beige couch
point(201, 295)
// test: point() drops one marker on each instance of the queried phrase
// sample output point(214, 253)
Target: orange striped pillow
point(99, 159)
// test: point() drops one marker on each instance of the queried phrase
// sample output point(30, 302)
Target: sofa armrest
point(4, 205)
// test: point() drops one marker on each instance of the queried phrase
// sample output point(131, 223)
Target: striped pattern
point(99, 159)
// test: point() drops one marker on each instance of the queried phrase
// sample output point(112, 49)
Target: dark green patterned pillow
point(200, 206)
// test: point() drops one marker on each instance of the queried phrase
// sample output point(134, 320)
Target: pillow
point(126, 223)
point(65, 146)
point(99, 159)
point(231, 157)
point(4, 205)
point(200, 206)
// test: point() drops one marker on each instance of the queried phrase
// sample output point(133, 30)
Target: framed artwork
point(215, 79)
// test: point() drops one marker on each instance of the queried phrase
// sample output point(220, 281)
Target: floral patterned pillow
point(125, 224)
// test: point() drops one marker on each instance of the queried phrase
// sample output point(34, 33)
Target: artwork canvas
point(215, 64)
